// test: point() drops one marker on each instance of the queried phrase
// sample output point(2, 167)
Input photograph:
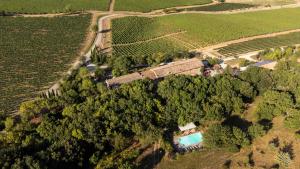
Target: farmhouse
point(188, 67)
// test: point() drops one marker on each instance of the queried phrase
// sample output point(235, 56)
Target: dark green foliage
point(231, 138)
point(213, 61)
point(98, 57)
point(2, 118)
point(199, 99)
point(292, 120)
point(278, 53)
point(274, 103)
point(256, 130)
point(89, 125)
point(122, 64)
point(261, 79)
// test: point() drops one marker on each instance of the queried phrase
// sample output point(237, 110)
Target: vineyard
point(166, 45)
point(135, 36)
point(52, 6)
point(221, 7)
point(260, 44)
point(34, 52)
point(134, 29)
point(198, 30)
point(149, 5)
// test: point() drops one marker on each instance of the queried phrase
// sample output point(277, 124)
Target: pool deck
point(192, 147)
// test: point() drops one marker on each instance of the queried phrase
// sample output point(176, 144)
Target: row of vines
point(34, 53)
point(260, 44)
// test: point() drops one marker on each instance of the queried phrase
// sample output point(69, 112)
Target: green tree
point(256, 130)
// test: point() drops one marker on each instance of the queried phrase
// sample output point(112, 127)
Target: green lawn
point(35, 52)
point(52, 6)
point(148, 5)
point(202, 30)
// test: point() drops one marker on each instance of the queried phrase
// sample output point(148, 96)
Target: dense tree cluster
point(280, 53)
point(88, 125)
point(123, 64)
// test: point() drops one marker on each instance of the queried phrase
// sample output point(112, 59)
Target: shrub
point(284, 159)
point(256, 130)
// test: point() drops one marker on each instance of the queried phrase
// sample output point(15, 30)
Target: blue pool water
point(190, 140)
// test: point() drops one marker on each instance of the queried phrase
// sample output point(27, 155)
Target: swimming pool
point(189, 140)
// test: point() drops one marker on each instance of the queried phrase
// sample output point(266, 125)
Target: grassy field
point(221, 7)
point(200, 30)
point(197, 160)
point(260, 44)
point(34, 52)
point(149, 5)
point(52, 6)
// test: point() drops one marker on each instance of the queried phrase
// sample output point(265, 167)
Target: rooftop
point(124, 79)
point(188, 126)
point(186, 66)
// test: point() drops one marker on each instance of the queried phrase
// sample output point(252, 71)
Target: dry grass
point(197, 160)
point(264, 154)
point(250, 113)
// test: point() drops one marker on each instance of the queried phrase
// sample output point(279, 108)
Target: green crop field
point(166, 45)
point(52, 6)
point(200, 30)
point(221, 7)
point(139, 31)
point(149, 5)
point(34, 53)
point(260, 44)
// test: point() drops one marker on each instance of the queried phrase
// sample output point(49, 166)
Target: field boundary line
point(149, 40)
point(111, 6)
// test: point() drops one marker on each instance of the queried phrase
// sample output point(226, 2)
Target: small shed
point(188, 126)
